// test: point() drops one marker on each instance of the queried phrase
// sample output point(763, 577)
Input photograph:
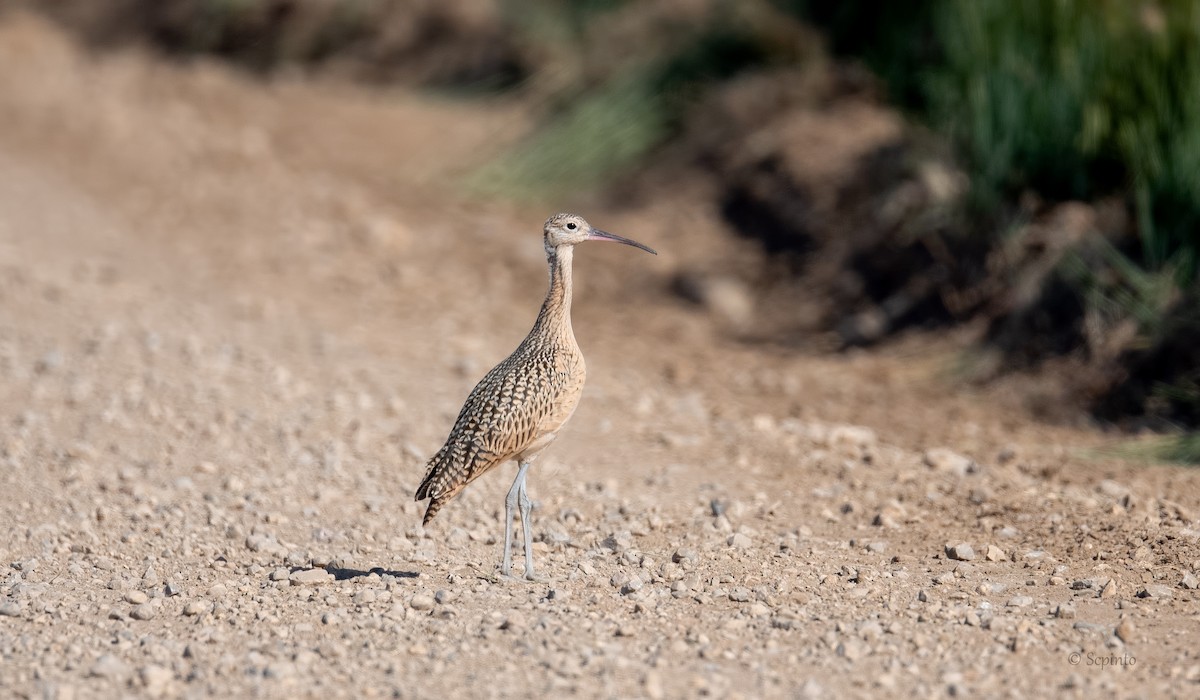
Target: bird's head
point(572, 229)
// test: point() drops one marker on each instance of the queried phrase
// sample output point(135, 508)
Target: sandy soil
point(236, 318)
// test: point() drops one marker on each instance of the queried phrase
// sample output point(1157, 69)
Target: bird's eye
point(572, 226)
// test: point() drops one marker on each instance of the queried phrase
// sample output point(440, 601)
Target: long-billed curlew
point(517, 409)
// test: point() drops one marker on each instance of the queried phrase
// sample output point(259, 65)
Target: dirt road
point(236, 318)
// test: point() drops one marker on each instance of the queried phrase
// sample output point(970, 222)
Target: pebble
point(422, 601)
point(740, 595)
point(1019, 601)
point(1110, 589)
point(109, 666)
point(1157, 591)
point(633, 585)
point(280, 574)
point(960, 552)
point(310, 576)
point(136, 597)
point(10, 608)
point(739, 540)
point(443, 596)
point(1125, 630)
point(994, 553)
point(172, 589)
point(145, 611)
point(1189, 582)
point(683, 554)
point(1065, 611)
point(156, 679)
point(949, 461)
point(195, 607)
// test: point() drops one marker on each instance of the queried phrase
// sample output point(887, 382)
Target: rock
point(633, 585)
point(1019, 601)
point(740, 595)
point(280, 574)
point(739, 540)
point(310, 577)
point(365, 597)
point(877, 547)
point(923, 596)
point(1125, 630)
point(851, 649)
point(171, 589)
point(422, 601)
point(136, 597)
point(994, 553)
point(683, 554)
point(1156, 591)
point(1110, 589)
point(1065, 611)
point(145, 611)
point(1189, 581)
point(1082, 584)
point(443, 596)
point(960, 552)
point(949, 461)
point(110, 667)
point(195, 607)
point(156, 680)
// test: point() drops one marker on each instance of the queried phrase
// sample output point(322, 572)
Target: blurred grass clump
point(1068, 99)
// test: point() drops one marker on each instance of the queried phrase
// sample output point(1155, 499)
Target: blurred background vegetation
point(1045, 184)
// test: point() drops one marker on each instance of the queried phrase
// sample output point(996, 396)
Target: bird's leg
point(510, 506)
point(526, 526)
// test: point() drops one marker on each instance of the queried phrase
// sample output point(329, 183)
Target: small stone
point(739, 540)
point(10, 608)
point(156, 679)
point(994, 553)
point(514, 621)
point(1082, 584)
point(422, 602)
point(1065, 611)
point(443, 596)
point(1189, 582)
point(365, 597)
point(759, 610)
point(1156, 591)
point(145, 611)
point(1125, 630)
point(109, 666)
point(960, 552)
point(851, 649)
point(949, 461)
point(1019, 601)
point(310, 576)
point(1110, 589)
point(280, 574)
point(740, 595)
point(923, 596)
point(172, 589)
point(877, 547)
point(136, 597)
point(195, 607)
point(633, 585)
point(683, 554)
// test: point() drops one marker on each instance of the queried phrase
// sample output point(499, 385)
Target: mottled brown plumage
point(517, 409)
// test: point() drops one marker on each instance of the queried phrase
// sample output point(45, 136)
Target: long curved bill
point(598, 235)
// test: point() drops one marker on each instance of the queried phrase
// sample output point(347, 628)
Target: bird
point(518, 408)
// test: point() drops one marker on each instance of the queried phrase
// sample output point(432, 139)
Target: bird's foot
point(532, 577)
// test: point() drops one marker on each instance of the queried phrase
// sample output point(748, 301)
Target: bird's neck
point(556, 310)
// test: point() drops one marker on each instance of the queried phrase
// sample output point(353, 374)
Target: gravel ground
point(235, 319)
